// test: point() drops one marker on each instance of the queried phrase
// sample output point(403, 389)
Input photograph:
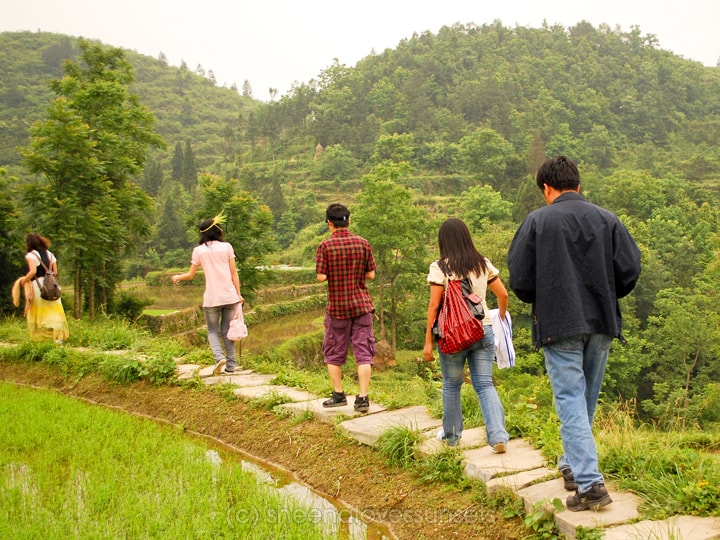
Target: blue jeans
point(576, 367)
point(480, 358)
point(218, 321)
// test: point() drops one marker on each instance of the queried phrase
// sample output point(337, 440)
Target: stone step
point(471, 438)
point(622, 510)
point(674, 528)
point(367, 429)
point(254, 392)
point(330, 415)
point(483, 464)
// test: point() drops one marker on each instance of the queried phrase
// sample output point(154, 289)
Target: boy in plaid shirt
point(346, 261)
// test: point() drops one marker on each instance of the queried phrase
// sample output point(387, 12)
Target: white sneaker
point(219, 367)
point(441, 434)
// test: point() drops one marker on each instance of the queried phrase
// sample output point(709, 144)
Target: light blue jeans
point(480, 358)
point(218, 320)
point(576, 367)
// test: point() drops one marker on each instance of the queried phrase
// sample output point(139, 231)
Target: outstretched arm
point(186, 276)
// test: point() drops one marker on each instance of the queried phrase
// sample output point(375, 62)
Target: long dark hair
point(210, 232)
point(34, 241)
point(458, 249)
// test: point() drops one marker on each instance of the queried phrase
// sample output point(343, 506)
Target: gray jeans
point(218, 321)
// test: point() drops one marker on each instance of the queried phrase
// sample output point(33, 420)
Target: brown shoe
point(499, 448)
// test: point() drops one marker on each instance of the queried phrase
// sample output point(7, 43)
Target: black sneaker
point(226, 371)
point(337, 399)
point(569, 479)
point(362, 404)
point(592, 499)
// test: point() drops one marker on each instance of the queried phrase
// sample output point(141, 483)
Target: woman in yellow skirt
point(45, 318)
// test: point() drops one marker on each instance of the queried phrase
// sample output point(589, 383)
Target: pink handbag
point(238, 329)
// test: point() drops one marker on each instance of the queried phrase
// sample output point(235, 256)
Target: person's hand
point(428, 353)
point(242, 300)
point(175, 279)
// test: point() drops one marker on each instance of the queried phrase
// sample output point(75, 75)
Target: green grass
point(70, 470)
point(156, 312)
point(674, 472)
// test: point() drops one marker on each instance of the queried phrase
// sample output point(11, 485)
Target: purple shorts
point(339, 333)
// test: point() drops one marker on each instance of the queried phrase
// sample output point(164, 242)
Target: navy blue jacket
point(572, 260)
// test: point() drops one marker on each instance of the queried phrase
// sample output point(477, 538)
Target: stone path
point(522, 468)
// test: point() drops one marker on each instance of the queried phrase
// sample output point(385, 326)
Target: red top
point(345, 258)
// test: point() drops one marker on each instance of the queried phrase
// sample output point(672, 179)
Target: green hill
point(187, 106)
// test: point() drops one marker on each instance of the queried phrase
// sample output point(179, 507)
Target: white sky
point(273, 43)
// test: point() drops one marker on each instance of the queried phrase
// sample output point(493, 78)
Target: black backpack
point(50, 288)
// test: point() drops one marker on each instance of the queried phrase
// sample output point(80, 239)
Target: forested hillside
point(446, 124)
point(188, 107)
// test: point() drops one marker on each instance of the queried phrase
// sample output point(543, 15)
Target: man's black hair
point(338, 215)
point(559, 173)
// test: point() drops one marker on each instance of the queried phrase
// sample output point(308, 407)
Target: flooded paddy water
point(331, 516)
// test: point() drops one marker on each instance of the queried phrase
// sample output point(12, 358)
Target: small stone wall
point(174, 323)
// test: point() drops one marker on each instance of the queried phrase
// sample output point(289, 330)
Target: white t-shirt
point(214, 258)
point(479, 282)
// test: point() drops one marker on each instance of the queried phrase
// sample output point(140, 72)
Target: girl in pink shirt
point(222, 290)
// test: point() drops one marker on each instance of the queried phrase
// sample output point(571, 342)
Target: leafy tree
point(336, 164)
point(247, 89)
point(248, 227)
point(397, 231)
point(94, 140)
point(152, 177)
point(171, 233)
point(189, 170)
point(484, 154)
point(482, 206)
point(684, 342)
point(395, 148)
point(178, 160)
point(11, 254)
point(635, 193)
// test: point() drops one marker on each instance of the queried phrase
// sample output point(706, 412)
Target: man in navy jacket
point(572, 260)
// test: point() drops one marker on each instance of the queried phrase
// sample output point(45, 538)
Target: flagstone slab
point(187, 371)
point(368, 429)
point(674, 528)
point(329, 415)
point(254, 392)
point(471, 438)
point(519, 480)
point(622, 510)
point(483, 464)
point(241, 379)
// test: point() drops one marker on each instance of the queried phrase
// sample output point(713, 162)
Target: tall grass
point(69, 470)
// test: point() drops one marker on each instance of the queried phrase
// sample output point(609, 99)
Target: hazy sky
point(273, 43)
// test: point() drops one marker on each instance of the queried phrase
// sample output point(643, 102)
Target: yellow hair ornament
point(217, 220)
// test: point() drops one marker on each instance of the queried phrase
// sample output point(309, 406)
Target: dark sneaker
point(569, 479)
point(337, 399)
point(226, 371)
point(219, 367)
point(592, 499)
point(362, 404)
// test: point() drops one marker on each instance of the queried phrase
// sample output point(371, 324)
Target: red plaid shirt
point(345, 258)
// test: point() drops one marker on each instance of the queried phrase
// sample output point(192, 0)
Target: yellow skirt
point(46, 318)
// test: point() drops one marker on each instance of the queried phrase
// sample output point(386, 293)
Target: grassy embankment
point(673, 472)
